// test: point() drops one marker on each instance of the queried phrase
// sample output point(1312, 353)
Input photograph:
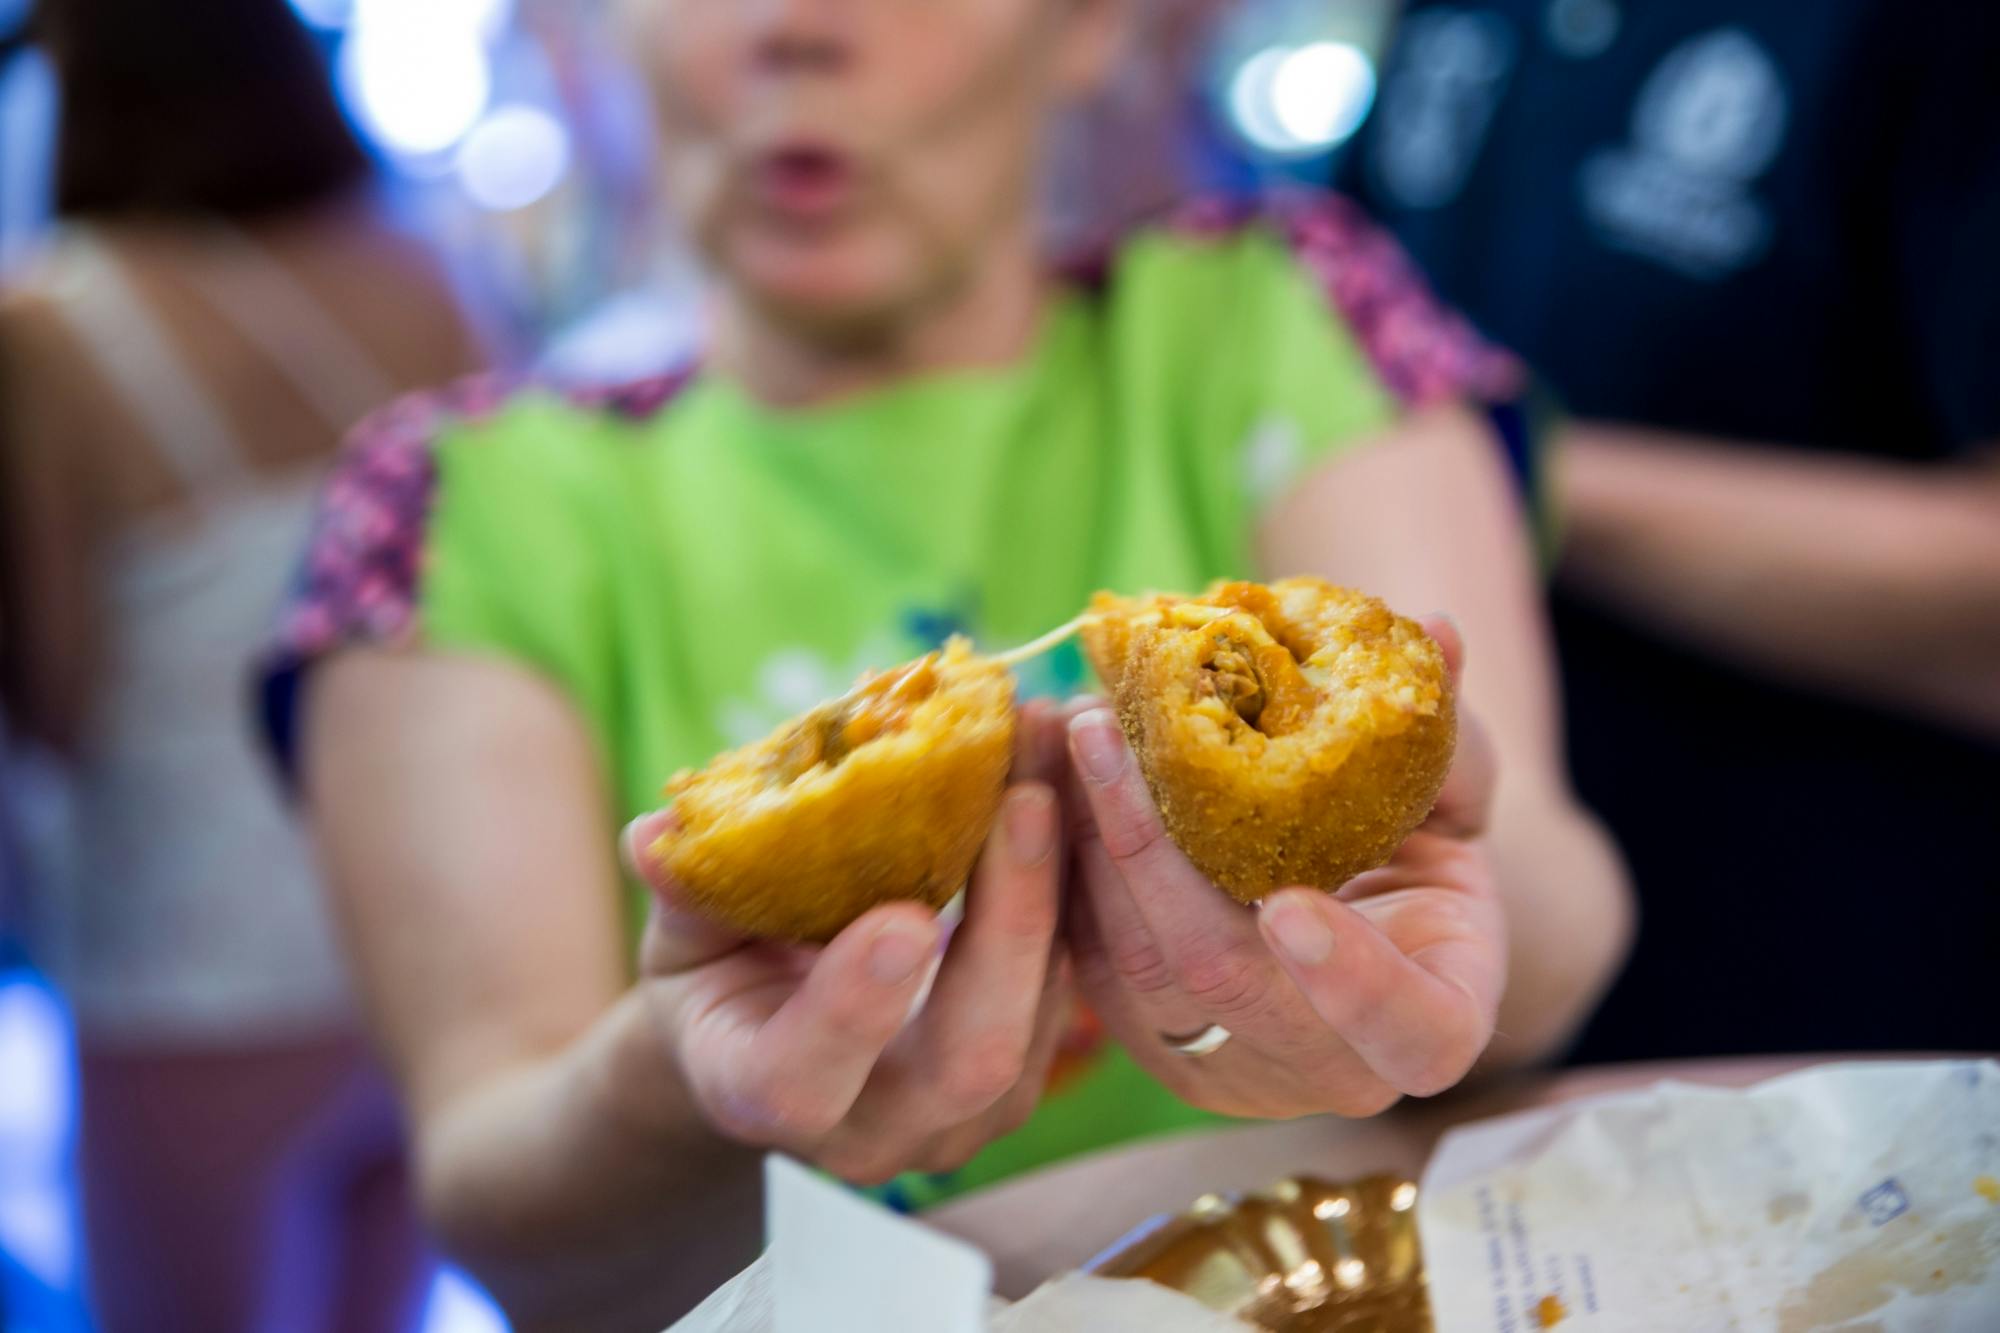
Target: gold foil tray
point(1306, 1256)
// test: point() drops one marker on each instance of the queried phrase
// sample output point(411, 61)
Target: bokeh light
point(418, 73)
point(483, 19)
point(456, 1306)
point(513, 157)
point(328, 14)
point(1321, 93)
point(1297, 101)
point(1251, 104)
point(417, 87)
point(37, 1082)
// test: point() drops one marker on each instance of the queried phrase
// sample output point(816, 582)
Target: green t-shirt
point(690, 567)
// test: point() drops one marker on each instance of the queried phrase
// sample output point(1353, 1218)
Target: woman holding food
point(524, 612)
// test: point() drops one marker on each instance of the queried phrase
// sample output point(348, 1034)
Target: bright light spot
point(35, 1108)
point(417, 71)
point(1349, 1272)
point(1321, 93)
point(513, 157)
point(484, 19)
point(1296, 101)
point(34, 1078)
point(456, 1306)
point(329, 14)
point(1250, 102)
point(418, 87)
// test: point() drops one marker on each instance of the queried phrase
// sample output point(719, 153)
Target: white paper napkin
point(1858, 1196)
point(837, 1263)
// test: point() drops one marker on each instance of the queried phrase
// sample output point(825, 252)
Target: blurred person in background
point(1755, 247)
point(224, 296)
point(523, 610)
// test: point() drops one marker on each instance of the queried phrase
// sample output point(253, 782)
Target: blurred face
point(846, 163)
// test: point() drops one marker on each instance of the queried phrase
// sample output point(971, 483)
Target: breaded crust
point(794, 837)
point(1292, 734)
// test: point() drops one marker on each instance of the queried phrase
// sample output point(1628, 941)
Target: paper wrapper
point(1854, 1197)
point(1073, 1303)
point(1080, 1303)
point(741, 1305)
point(838, 1263)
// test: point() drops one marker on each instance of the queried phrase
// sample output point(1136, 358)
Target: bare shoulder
point(43, 378)
point(397, 288)
point(31, 321)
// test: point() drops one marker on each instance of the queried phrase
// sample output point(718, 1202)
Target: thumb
point(1465, 803)
point(1444, 632)
point(677, 938)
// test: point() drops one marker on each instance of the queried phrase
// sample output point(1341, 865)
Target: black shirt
point(1766, 221)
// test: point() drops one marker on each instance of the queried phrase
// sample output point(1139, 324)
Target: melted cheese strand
point(1036, 647)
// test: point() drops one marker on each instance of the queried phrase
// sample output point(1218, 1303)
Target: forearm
point(1570, 920)
point(460, 812)
point(1426, 520)
point(1878, 579)
point(584, 1190)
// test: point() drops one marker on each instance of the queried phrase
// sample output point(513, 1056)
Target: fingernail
point(1031, 826)
point(897, 953)
point(638, 839)
point(1099, 746)
point(1301, 932)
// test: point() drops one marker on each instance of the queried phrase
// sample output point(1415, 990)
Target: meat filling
point(829, 734)
point(1260, 681)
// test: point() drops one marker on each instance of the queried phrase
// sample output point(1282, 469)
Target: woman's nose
point(802, 36)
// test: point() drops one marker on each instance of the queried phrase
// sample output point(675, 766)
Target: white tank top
point(192, 914)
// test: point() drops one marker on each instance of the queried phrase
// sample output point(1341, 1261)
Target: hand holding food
point(1290, 734)
point(1284, 743)
point(882, 794)
point(818, 1051)
point(1314, 1000)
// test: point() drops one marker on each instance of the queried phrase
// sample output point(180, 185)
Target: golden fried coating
point(1291, 734)
point(885, 793)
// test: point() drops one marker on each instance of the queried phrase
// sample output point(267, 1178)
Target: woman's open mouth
point(805, 183)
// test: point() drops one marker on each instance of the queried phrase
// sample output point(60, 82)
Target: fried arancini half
point(883, 794)
point(1291, 734)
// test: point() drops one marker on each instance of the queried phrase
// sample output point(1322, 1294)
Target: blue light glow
point(456, 1306)
point(330, 15)
point(513, 157)
point(38, 1222)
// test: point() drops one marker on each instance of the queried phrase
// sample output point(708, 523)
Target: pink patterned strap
point(363, 566)
point(359, 580)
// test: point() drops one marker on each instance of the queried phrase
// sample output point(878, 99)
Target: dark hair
point(174, 107)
